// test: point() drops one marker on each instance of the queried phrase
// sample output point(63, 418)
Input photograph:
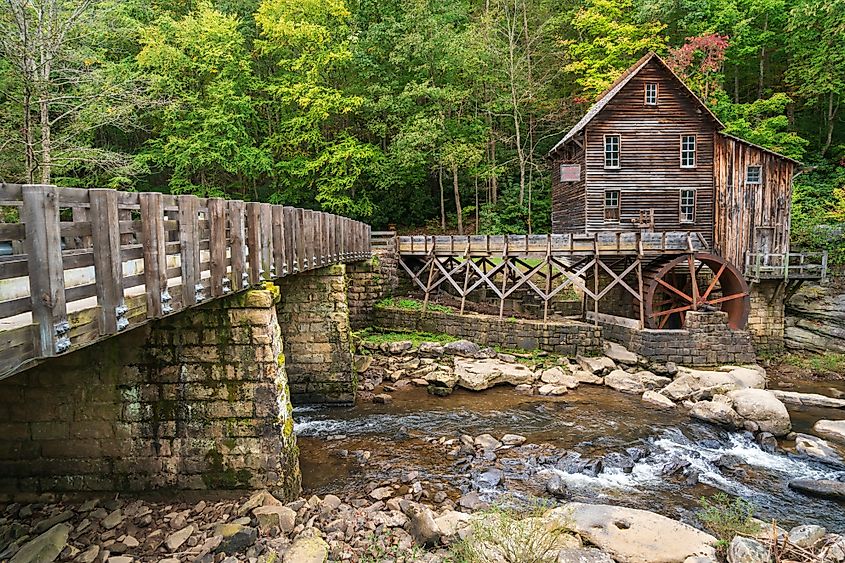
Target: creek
point(649, 458)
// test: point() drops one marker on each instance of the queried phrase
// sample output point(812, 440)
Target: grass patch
point(512, 536)
point(818, 363)
point(727, 517)
point(410, 304)
point(376, 336)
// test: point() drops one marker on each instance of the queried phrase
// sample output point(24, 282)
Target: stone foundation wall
point(195, 401)
point(767, 318)
point(706, 341)
point(370, 281)
point(562, 337)
point(314, 317)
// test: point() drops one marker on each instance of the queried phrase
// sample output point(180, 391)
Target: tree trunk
point(831, 116)
point(762, 70)
point(29, 142)
point(442, 199)
point(477, 221)
point(736, 84)
point(458, 199)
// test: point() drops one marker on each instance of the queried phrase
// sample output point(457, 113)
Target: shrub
point(727, 517)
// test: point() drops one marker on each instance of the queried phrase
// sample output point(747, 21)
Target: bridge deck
point(87, 264)
point(540, 246)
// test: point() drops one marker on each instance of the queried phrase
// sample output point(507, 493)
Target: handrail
point(140, 256)
point(786, 265)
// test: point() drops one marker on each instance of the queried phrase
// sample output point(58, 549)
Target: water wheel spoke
point(693, 274)
point(727, 298)
point(675, 290)
point(713, 283)
point(668, 312)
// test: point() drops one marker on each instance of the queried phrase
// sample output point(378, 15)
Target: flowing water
point(637, 444)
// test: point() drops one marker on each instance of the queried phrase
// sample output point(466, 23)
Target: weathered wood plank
point(217, 239)
point(278, 218)
point(237, 232)
point(108, 267)
point(189, 251)
point(40, 214)
point(253, 238)
point(266, 242)
point(155, 264)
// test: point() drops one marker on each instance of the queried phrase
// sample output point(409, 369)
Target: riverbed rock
point(831, 429)
point(698, 384)
point(430, 349)
point(477, 375)
point(809, 399)
point(634, 383)
point(620, 354)
point(513, 440)
point(582, 376)
point(44, 548)
point(280, 517)
point(658, 400)
point(552, 390)
point(747, 550)
point(556, 486)
point(260, 498)
point(442, 377)
point(631, 535)
point(362, 363)
point(422, 526)
point(824, 488)
point(557, 376)
point(236, 537)
point(582, 555)
point(381, 493)
point(307, 549)
point(596, 365)
point(175, 540)
point(763, 408)
point(806, 536)
point(487, 442)
point(817, 448)
point(462, 348)
point(451, 523)
point(717, 412)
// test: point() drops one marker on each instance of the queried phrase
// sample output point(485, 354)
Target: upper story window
point(754, 175)
point(651, 93)
point(687, 207)
point(611, 205)
point(611, 151)
point(687, 151)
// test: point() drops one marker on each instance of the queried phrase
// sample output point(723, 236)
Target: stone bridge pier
point(198, 400)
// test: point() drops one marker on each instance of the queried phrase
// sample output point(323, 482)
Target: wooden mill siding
point(750, 217)
point(569, 198)
point(650, 174)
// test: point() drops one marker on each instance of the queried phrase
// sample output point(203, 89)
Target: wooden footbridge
point(82, 265)
point(650, 270)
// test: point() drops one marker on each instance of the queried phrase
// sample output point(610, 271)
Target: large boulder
point(597, 366)
point(658, 400)
point(817, 448)
point(717, 411)
point(762, 408)
point(307, 549)
point(620, 354)
point(630, 535)
point(820, 488)
point(478, 375)
point(634, 383)
point(815, 320)
point(831, 429)
point(809, 399)
point(747, 550)
point(697, 384)
point(44, 548)
point(558, 376)
point(462, 348)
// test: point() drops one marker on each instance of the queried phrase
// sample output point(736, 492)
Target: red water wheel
point(694, 282)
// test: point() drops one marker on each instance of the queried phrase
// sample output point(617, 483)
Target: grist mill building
point(650, 157)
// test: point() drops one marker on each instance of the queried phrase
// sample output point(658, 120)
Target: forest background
point(430, 115)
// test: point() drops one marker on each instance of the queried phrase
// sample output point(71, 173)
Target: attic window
point(651, 93)
point(611, 151)
point(754, 175)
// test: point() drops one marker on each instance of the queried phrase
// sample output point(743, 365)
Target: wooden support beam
point(266, 242)
point(237, 232)
point(155, 254)
point(279, 264)
point(108, 266)
point(220, 284)
point(253, 241)
point(43, 244)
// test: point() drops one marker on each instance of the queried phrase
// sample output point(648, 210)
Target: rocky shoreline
point(411, 518)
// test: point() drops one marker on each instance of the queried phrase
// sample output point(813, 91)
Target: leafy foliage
point(727, 517)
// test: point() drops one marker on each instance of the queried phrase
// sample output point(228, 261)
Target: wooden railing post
point(40, 214)
point(108, 266)
point(220, 284)
point(266, 242)
point(189, 249)
point(253, 241)
point(279, 264)
point(155, 258)
point(240, 279)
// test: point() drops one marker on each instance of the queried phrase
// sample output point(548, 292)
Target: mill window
point(611, 205)
point(687, 151)
point(754, 175)
point(687, 209)
point(651, 93)
point(611, 151)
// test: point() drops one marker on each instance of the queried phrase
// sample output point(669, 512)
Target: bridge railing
point(786, 266)
point(78, 265)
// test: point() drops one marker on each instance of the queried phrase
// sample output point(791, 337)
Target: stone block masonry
point(706, 341)
point(314, 317)
point(767, 317)
point(568, 338)
point(194, 401)
point(370, 281)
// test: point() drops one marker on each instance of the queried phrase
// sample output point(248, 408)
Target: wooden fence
point(86, 264)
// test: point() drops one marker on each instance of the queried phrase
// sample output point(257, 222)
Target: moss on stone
point(219, 476)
